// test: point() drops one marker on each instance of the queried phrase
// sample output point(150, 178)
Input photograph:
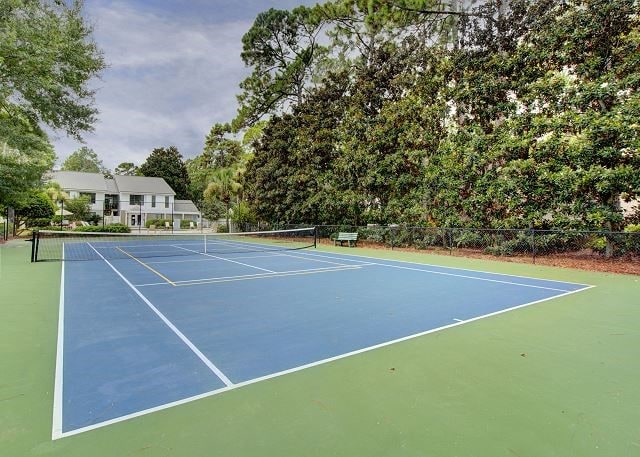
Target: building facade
point(130, 200)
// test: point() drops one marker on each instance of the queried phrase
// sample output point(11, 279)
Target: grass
point(555, 379)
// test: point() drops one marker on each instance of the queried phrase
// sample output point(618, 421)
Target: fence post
point(391, 236)
point(5, 228)
point(450, 239)
point(533, 244)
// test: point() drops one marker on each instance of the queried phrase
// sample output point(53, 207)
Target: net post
point(204, 235)
point(34, 236)
point(315, 237)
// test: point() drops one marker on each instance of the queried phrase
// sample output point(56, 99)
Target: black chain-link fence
point(7, 223)
point(527, 243)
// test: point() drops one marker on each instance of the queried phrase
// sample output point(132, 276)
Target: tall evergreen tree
point(167, 163)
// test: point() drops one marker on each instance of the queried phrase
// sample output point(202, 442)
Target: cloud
point(169, 79)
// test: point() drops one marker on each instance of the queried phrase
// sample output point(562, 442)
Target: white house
point(131, 200)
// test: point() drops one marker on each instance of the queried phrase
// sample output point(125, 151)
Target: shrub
point(469, 239)
point(159, 223)
point(113, 228)
point(117, 228)
point(88, 228)
point(222, 229)
point(185, 224)
point(39, 222)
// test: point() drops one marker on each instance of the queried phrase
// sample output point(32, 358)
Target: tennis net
point(59, 245)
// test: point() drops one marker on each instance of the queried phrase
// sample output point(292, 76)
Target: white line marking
point(56, 431)
point(457, 275)
point(169, 324)
point(228, 260)
point(194, 282)
point(345, 258)
point(458, 320)
point(309, 365)
point(307, 258)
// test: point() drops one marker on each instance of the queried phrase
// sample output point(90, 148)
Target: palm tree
point(57, 195)
point(223, 185)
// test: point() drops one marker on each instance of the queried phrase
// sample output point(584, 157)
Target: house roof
point(77, 180)
point(184, 206)
point(111, 186)
point(142, 185)
point(96, 182)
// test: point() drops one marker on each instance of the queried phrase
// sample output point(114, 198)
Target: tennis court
point(154, 322)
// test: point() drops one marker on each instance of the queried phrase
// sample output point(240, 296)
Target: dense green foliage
point(111, 228)
point(127, 169)
point(33, 208)
point(507, 114)
point(47, 58)
point(167, 163)
point(78, 207)
point(84, 159)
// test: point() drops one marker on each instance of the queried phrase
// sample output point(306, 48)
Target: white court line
point(462, 276)
point(243, 257)
point(439, 266)
point(228, 260)
point(307, 258)
point(193, 282)
point(303, 367)
point(458, 320)
point(56, 431)
point(169, 324)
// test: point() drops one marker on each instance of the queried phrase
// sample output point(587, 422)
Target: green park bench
point(352, 238)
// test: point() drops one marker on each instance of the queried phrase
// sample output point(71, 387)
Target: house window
point(166, 201)
point(136, 200)
point(153, 201)
point(111, 202)
point(92, 196)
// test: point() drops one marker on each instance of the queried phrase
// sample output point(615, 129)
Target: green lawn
point(559, 378)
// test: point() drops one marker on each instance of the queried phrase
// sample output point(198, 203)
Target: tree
point(86, 160)
point(47, 59)
point(127, 169)
point(79, 208)
point(219, 151)
point(223, 186)
point(23, 164)
point(35, 205)
point(281, 47)
point(55, 192)
point(167, 163)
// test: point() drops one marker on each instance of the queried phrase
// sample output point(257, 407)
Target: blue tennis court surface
point(141, 334)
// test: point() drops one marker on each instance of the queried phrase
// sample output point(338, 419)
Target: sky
point(173, 71)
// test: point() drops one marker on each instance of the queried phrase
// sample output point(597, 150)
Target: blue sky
point(174, 70)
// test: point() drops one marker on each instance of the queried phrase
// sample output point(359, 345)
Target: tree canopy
point(167, 163)
point(127, 169)
point(84, 159)
point(47, 58)
point(498, 114)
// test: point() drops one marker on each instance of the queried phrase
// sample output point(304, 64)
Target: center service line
point(169, 324)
